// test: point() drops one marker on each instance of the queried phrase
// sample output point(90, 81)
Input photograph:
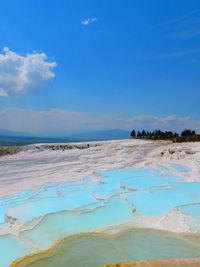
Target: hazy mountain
point(8, 137)
point(7, 133)
point(100, 135)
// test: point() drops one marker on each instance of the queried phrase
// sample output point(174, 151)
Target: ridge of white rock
point(38, 164)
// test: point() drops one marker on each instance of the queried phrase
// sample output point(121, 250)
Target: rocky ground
point(9, 150)
point(160, 263)
point(35, 165)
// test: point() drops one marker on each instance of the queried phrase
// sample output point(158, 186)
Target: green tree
point(133, 134)
point(186, 132)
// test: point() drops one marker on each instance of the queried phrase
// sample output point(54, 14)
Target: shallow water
point(92, 250)
point(160, 202)
point(59, 225)
point(11, 248)
point(57, 210)
point(181, 168)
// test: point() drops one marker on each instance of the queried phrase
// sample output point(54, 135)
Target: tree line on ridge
point(186, 135)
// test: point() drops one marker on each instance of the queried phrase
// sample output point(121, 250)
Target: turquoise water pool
point(41, 217)
point(91, 250)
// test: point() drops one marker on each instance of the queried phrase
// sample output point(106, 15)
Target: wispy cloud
point(187, 25)
point(177, 20)
point(175, 54)
point(171, 122)
point(41, 121)
point(21, 75)
point(88, 21)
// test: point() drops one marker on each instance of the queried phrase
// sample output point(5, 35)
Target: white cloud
point(40, 121)
point(171, 122)
point(21, 75)
point(3, 92)
point(89, 21)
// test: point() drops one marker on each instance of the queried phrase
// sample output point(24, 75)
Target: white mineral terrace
point(39, 164)
point(50, 191)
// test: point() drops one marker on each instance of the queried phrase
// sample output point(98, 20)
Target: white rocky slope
point(41, 163)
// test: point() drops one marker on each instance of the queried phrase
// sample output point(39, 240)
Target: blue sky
point(108, 64)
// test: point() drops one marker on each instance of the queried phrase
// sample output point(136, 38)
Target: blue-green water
point(58, 210)
point(91, 250)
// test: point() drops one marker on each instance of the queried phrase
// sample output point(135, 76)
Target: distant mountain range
point(4, 132)
point(100, 135)
point(8, 137)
